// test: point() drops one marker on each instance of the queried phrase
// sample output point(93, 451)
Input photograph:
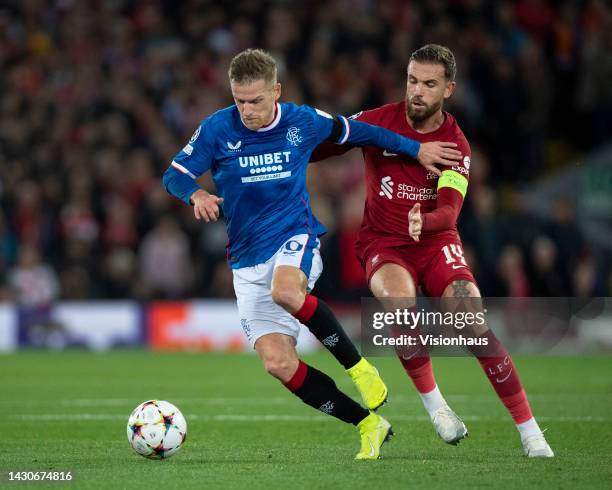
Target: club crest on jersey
point(293, 136)
point(234, 146)
point(195, 135)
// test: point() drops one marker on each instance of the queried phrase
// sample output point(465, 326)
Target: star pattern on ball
point(159, 451)
point(168, 421)
point(136, 429)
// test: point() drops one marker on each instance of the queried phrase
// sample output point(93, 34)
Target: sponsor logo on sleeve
point(461, 169)
point(465, 168)
point(195, 135)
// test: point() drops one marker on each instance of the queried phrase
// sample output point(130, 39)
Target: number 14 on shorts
point(454, 256)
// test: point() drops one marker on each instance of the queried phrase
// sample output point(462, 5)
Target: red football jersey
point(395, 183)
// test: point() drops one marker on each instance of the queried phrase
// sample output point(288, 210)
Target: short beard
point(421, 116)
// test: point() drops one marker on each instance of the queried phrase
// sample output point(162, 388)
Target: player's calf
point(497, 364)
point(499, 368)
point(289, 292)
point(322, 322)
point(278, 355)
point(281, 368)
point(324, 325)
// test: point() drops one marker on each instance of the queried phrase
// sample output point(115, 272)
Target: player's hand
point(205, 205)
point(415, 222)
point(440, 152)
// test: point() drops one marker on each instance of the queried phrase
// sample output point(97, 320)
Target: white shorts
point(259, 315)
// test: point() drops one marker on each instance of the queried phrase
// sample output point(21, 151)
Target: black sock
point(322, 322)
point(319, 391)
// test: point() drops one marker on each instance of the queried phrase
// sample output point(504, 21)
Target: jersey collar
point(275, 121)
point(273, 124)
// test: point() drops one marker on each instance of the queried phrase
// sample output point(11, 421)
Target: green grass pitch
point(68, 411)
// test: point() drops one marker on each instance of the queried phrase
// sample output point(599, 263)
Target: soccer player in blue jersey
point(258, 152)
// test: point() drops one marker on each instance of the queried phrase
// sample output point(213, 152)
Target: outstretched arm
point(428, 154)
point(349, 133)
point(327, 149)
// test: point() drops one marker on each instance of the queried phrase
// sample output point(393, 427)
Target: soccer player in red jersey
point(409, 238)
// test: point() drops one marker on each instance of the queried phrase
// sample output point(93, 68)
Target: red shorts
point(433, 264)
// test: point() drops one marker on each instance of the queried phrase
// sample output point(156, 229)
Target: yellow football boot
point(374, 431)
point(369, 383)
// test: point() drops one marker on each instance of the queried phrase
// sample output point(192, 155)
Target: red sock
point(297, 380)
point(499, 368)
point(416, 362)
point(305, 313)
point(420, 372)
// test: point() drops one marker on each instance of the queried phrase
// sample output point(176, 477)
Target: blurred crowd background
point(96, 97)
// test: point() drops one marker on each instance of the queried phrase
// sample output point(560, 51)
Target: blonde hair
point(251, 65)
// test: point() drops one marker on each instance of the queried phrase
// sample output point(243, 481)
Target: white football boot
point(536, 447)
point(448, 425)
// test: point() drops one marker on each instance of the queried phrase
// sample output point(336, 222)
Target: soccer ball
point(156, 429)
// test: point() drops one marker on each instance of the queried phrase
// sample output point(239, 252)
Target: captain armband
point(454, 180)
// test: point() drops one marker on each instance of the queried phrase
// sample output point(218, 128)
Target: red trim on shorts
point(297, 380)
point(308, 308)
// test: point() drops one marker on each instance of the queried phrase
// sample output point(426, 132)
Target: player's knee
point(281, 367)
point(288, 299)
point(393, 299)
point(396, 292)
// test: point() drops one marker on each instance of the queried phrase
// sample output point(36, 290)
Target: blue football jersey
point(261, 175)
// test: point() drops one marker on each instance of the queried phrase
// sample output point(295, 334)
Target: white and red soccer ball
point(156, 429)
